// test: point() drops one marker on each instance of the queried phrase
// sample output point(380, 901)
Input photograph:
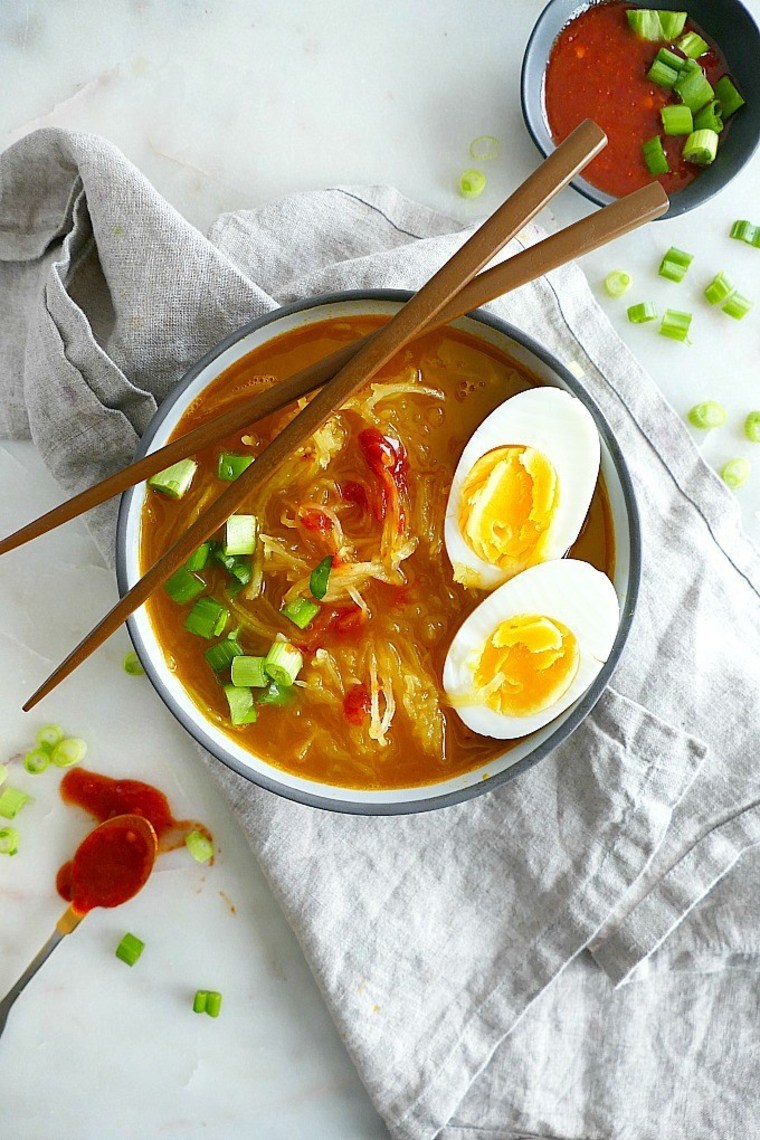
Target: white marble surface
point(225, 105)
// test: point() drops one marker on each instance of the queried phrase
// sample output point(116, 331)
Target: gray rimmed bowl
point(727, 22)
point(225, 748)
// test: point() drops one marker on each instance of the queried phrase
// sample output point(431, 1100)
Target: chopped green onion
point(735, 473)
point(709, 118)
point(675, 325)
point(199, 1001)
point(129, 949)
point(249, 672)
point(485, 147)
point(300, 611)
point(670, 59)
point(677, 119)
point(175, 480)
point(238, 566)
point(693, 88)
point(707, 415)
point(131, 664)
point(737, 306)
point(320, 575)
point(69, 752)
point(701, 147)
point(221, 655)
point(671, 23)
point(640, 314)
point(207, 618)
point(11, 802)
point(199, 557)
point(746, 232)
point(37, 760)
point(242, 708)
point(656, 23)
point(719, 289)
point(275, 694)
point(692, 45)
point(472, 183)
point(49, 735)
point(663, 75)
point(231, 466)
point(183, 585)
point(283, 662)
point(9, 840)
point(752, 427)
point(674, 264)
point(240, 535)
point(207, 1001)
point(729, 98)
point(616, 283)
point(654, 156)
point(199, 845)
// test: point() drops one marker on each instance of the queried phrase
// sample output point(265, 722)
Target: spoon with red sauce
point(109, 867)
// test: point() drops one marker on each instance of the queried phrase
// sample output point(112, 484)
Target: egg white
point(571, 592)
point(560, 427)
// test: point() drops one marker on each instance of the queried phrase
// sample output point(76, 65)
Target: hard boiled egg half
point(522, 487)
point(531, 648)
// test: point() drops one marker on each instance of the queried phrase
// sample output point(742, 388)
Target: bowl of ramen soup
point(427, 597)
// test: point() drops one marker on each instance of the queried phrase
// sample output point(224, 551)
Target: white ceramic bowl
point(315, 793)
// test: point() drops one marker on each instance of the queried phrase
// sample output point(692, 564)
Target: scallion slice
point(221, 655)
point(670, 59)
point(709, 118)
point(283, 662)
point(663, 75)
point(49, 735)
point(719, 289)
point(736, 472)
point(752, 427)
point(656, 23)
point(693, 88)
point(11, 801)
point(485, 147)
point(183, 585)
point(240, 535)
point(707, 415)
point(677, 119)
point(9, 841)
point(747, 232)
point(701, 147)
point(654, 156)
point(275, 694)
point(207, 618)
point(692, 45)
point(472, 183)
point(300, 611)
point(207, 1001)
point(199, 557)
point(671, 23)
point(131, 664)
point(200, 846)
point(320, 575)
point(729, 98)
point(240, 701)
point(249, 672)
point(175, 480)
point(643, 312)
point(675, 325)
point(37, 760)
point(129, 949)
point(737, 306)
point(230, 466)
point(675, 264)
point(69, 752)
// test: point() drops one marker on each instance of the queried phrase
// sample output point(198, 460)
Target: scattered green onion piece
point(69, 752)
point(11, 802)
point(9, 840)
point(735, 473)
point(752, 427)
point(320, 575)
point(643, 312)
point(175, 480)
point(719, 289)
point(472, 183)
point(129, 949)
point(131, 664)
point(747, 232)
point(729, 98)
point(221, 655)
point(238, 566)
point(675, 264)
point(707, 415)
point(199, 557)
point(693, 88)
point(654, 156)
point(485, 147)
point(231, 466)
point(183, 585)
point(275, 694)
point(240, 701)
point(692, 45)
point(616, 283)
point(283, 662)
point(670, 59)
point(49, 735)
point(675, 325)
point(709, 118)
point(663, 75)
point(249, 672)
point(300, 611)
point(200, 846)
point(207, 618)
point(37, 761)
point(701, 147)
point(199, 1001)
point(671, 23)
point(213, 1003)
point(677, 119)
point(645, 22)
point(737, 306)
point(240, 535)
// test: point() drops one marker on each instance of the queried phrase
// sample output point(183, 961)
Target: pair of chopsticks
point(457, 288)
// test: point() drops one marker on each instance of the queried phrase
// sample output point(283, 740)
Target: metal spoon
point(137, 830)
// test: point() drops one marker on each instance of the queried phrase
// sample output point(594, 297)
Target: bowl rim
point(563, 730)
point(538, 128)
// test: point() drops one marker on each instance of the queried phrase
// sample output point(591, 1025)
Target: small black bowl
point(728, 23)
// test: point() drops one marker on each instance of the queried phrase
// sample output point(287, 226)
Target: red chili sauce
point(598, 70)
point(110, 866)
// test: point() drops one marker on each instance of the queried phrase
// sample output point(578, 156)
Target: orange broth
point(394, 641)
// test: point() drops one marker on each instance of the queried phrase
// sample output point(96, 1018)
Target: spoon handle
point(68, 921)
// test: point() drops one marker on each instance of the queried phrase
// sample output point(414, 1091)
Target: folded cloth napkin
point(432, 936)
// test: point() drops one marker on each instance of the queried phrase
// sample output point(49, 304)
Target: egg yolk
point(508, 502)
point(527, 664)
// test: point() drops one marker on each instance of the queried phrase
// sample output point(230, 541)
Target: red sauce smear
point(389, 462)
point(110, 866)
point(598, 70)
point(357, 704)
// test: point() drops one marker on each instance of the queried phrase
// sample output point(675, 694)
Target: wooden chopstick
point(422, 308)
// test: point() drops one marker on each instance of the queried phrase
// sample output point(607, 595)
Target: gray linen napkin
point(433, 935)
